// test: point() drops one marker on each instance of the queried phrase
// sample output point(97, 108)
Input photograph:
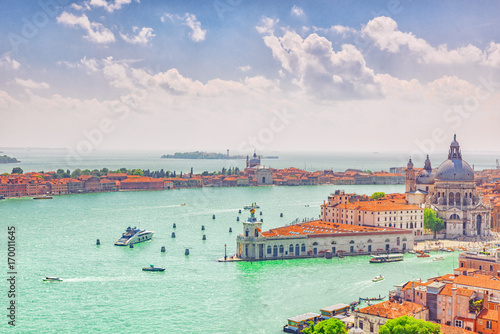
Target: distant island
point(206, 155)
point(8, 160)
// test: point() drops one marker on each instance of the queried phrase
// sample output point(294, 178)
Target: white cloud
point(197, 33)
point(296, 11)
point(336, 29)
point(320, 70)
point(142, 36)
point(109, 6)
point(76, 6)
point(32, 84)
point(9, 63)
point(385, 34)
point(245, 68)
point(96, 32)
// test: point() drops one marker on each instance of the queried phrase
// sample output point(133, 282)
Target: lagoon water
point(104, 289)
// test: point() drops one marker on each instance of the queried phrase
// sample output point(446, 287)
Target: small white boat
point(378, 278)
point(439, 258)
point(52, 279)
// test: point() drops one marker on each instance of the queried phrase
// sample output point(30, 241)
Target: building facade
point(357, 210)
point(316, 238)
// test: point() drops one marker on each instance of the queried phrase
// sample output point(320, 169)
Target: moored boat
point(133, 236)
point(42, 197)
point(52, 279)
point(298, 323)
point(386, 258)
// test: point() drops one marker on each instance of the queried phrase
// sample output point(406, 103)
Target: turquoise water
point(104, 289)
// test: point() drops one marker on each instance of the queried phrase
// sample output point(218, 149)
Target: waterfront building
point(142, 183)
point(370, 318)
point(91, 183)
point(451, 192)
point(359, 210)
point(316, 238)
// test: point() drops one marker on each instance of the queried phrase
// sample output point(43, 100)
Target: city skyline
point(281, 76)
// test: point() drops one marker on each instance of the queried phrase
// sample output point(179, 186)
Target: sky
point(275, 76)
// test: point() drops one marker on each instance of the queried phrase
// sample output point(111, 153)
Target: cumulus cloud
point(32, 84)
point(142, 36)
point(96, 32)
point(296, 11)
point(8, 63)
point(337, 29)
point(319, 69)
point(384, 32)
point(245, 68)
point(108, 6)
point(197, 34)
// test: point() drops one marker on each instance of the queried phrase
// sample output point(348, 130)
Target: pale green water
point(104, 289)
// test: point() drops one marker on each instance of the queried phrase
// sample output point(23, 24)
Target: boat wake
point(100, 279)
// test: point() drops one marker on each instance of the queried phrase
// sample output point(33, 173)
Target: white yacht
point(133, 236)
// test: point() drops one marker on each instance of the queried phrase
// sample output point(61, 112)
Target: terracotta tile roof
point(319, 227)
point(416, 284)
point(478, 281)
point(392, 310)
point(488, 314)
point(455, 330)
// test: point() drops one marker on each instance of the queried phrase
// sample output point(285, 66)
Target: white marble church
point(451, 192)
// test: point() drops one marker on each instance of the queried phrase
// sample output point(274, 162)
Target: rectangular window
point(449, 311)
point(361, 324)
point(458, 323)
point(488, 324)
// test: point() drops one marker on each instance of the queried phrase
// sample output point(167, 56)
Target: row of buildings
point(467, 300)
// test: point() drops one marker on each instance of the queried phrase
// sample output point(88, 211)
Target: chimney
point(486, 300)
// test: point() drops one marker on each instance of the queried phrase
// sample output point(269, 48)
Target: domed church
point(451, 192)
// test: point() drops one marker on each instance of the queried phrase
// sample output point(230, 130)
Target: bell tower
point(411, 179)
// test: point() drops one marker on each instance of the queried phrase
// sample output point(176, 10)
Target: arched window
point(290, 249)
point(454, 216)
point(297, 249)
point(457, 198)
point(452, 199)
point(303, 248)
point(247, 232)
point(411, 225)
point(282, 249)
point(269, 250)
point(275, 250)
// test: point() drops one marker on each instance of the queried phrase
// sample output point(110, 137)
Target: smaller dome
point(410, 164)
point(426, 177)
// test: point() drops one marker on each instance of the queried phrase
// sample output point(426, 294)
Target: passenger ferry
point(133, 236)
point(386, 258)
point(253, 206)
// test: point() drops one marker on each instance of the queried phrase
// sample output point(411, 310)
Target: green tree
point(17, 170)
point(138, 172)
point(123, 170)
point(377, 195)
point(330, 326)
point(86, 172)
point(432, 221)
point(104, 171)
point(409, 325)
point(76, 173)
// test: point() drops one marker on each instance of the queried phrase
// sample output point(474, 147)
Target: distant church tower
point(410, 177)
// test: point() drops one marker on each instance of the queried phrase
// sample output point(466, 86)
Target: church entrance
point(478, 224)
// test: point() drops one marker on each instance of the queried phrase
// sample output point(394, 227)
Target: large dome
point(455, 170)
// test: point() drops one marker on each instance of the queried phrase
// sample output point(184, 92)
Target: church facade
point(451, 192)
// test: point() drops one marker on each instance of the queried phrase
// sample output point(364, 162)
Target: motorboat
point(52, 279)
point(153, 268)
point(378, 278)
point(133, 236)
point(439, 258)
